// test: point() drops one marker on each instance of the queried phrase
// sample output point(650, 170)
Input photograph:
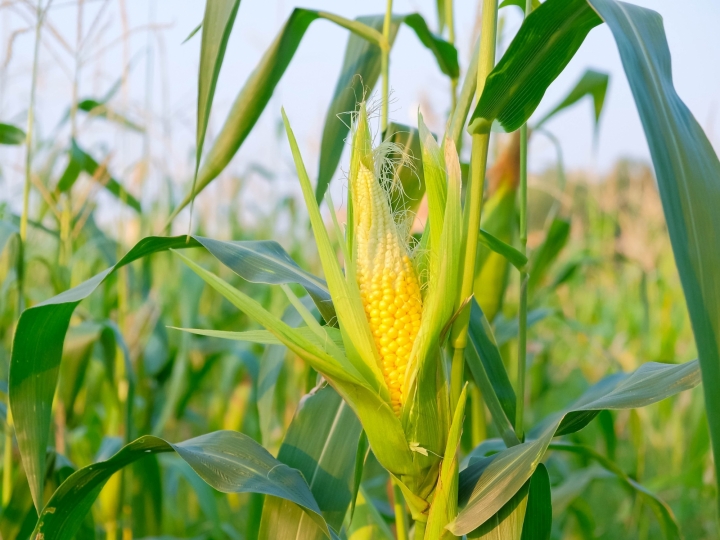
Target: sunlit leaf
point(230, 462)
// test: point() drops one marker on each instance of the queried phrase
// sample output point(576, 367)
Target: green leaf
point(538, 515)
point(358, 75)
point(445, 53)
point(513, 256)
point(100, 109)
point(265, 261)
point(486, 365)
point(688, 176)
point(661, 510)
point(192, 33)
point(445, 503)
point(487, 487)
point(38, 341)
point(258, 89)
point(271, 365)
point(593, 84)
point(230, 462)
point(321, 443)
point(368, 524)
point(81, 161)
point(545, 43)
point(555, 240)
point(217, 25)
point(11, 135)
point(506, 523)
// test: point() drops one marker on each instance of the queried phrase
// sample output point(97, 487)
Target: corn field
point(412, 336)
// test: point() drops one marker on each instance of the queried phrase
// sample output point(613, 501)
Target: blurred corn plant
point(385, 423)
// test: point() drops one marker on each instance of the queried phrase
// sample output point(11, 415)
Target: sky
point(166, 84)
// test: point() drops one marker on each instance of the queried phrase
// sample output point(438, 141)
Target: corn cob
point(388, 284)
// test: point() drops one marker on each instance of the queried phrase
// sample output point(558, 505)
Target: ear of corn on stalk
point(390, 368)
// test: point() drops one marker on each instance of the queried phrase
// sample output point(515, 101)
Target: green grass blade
point(321, 443)
point(688, 176)
point(228, 461)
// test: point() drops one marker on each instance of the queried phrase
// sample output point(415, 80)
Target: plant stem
point(522, 313)
point(450, 21)
point(30, 120)
point(420, 530)
point(401, 524)
point(385, 66)
point(473, 203)
point(7, 480)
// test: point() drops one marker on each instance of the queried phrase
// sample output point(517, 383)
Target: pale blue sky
point(691, 26)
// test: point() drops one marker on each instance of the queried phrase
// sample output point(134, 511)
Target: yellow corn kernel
point(389, 287)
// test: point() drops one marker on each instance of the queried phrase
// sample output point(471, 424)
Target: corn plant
point(404, 335)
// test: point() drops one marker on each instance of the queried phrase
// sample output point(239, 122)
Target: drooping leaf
point(512, 255)
point(258, 89)
point(229, 461)
point(545, 43)
point(321, 443)
point(486, 487)
point(688, 176)
point(11, 135)
point(593, 84)
point(38, 341)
